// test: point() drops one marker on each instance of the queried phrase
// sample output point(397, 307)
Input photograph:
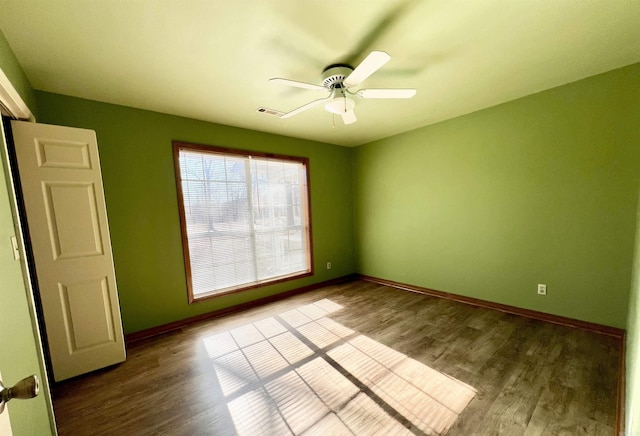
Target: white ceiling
point(211, 59)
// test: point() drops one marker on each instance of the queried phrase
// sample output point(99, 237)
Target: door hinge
point(16, 248)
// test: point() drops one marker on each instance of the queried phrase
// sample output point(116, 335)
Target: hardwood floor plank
point(355, 358)
point(511, 412)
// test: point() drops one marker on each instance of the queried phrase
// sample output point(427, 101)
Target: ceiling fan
point(338, 79)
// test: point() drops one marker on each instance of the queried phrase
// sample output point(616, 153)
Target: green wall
point(538, 190)
point(12, 69)
point(633, 345)
point(19, 354)
point(140, 189)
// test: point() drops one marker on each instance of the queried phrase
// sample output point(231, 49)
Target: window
point(244, 217)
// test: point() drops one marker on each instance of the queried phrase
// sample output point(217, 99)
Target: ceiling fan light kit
point(340, 105)
point(337, 79)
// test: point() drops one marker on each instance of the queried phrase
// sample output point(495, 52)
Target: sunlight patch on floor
point(300, 372)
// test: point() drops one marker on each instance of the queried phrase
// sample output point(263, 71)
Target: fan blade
point(305, 107)
point(386, 93)
point(349, 117)
point(298, 84)
point(367, 67)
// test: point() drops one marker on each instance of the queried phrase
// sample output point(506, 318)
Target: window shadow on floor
point(300, 372)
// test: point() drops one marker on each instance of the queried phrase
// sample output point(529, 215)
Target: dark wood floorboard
point(387, 362)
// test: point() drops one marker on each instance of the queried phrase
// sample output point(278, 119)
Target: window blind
point(244, 219)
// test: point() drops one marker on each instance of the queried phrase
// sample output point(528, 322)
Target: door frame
point(12, 105)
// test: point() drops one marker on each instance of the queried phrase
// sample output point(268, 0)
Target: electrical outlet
point(328, 265)
point(542, 289)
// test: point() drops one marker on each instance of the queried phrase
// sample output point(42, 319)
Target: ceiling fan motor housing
point(334, 75)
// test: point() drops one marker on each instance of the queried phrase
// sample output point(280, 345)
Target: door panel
point(66, 214)
point(63, 154)
point(72, 216)
point(87, 314)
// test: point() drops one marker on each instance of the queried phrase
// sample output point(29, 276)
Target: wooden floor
point(357, 358)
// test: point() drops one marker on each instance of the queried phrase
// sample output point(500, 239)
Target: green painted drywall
point(632, 364)
point(538, 190)
point(12, 69)
point(19, 353)
point(140, 190)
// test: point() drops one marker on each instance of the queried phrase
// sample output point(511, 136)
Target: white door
point(61, 183)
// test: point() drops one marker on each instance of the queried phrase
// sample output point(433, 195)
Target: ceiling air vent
point(267, 111)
